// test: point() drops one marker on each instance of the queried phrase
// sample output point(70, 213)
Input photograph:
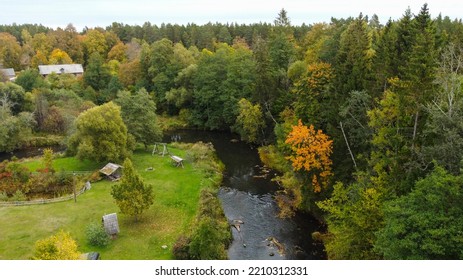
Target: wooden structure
point(112, 171)
point(110, 224)
point(157, 149)
point(177, 161)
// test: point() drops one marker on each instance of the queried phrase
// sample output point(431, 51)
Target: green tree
point(132, 195)
point(16, 96)
point(250, 121)
point(353, 59)
point(94, 41)
point(60, 246)
point(144, 127)
point(14, 130)
point(427, 222)
point(101, 135)
point(97, 73)
point(354, 216)
point(30, 79)
point(222, 78)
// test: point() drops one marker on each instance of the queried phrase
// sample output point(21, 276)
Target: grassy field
point(176, 192)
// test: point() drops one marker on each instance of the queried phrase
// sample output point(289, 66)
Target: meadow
point(176, 191)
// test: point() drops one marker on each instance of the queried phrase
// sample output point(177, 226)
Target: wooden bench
point(178, 161)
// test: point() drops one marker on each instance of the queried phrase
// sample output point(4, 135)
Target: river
point(247, 195)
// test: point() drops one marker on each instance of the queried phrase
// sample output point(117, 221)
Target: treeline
point(363, 119)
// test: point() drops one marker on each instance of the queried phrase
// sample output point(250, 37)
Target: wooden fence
point(86, 187)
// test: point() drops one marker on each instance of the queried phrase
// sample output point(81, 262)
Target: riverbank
point(177, 193)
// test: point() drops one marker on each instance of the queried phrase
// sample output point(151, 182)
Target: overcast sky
point(102, 13)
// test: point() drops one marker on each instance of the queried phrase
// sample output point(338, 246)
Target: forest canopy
point(374, 111)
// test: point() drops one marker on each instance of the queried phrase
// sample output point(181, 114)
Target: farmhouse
point(75, 69)
point(9, 74)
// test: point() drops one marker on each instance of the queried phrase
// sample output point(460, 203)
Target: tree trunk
point(348, 147)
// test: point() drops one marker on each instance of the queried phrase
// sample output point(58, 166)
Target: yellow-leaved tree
point(60, 246)
point(311, 151)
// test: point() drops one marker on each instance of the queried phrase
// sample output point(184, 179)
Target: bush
point(3, 196)
point(181, 248)
point(18, 196)
point(211, 235)
point(96, 235)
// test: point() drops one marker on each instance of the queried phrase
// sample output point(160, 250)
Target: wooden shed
point(110, 224)
point(112, 171)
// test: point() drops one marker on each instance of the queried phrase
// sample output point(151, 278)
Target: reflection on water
point(247, 195)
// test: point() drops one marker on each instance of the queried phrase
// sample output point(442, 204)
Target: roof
point(9, 72)
point(61, 69)
point(110, 224)
point(110, 168)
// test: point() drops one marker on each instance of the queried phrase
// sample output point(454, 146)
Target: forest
point(363, 120)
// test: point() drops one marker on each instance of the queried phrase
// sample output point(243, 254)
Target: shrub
point(211, 235)
point(3, 196)
point(18, 196)
point(96, 235)
point(57, 247)
point(181, 248)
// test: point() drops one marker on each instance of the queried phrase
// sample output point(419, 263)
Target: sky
point(93, 13)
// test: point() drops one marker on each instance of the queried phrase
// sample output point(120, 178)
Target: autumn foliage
point(311, 151)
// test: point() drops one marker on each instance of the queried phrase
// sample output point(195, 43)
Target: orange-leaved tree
point(311, 151)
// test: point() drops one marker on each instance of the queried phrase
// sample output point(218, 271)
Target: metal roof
point(9, 72)
point(61, 69)
point(110, 168)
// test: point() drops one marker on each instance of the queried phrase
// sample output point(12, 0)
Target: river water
point(247, 195)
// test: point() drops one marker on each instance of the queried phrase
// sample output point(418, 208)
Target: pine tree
point(132, 195)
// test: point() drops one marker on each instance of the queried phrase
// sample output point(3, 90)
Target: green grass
point(173, 212)
point(66, 164)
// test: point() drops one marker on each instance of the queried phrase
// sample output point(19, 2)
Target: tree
point(95, 42)
point(444, 127)
point(311, 92)
point(30, 79)
point(144, 127)
point(101, 135)
point(282, 19)
point(221, 80)
point(249, 121)
point(132, 195)
point(426, 223)
point(353, 59)
point(311, 151)
point(16, 96)
point(118, 52)
point(58, 56)
point(10, 51)
point(60, 246)
point(97, 73)
point(354, 216)
point(14, 130)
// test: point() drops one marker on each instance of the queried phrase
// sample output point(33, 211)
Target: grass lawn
point(175, 205)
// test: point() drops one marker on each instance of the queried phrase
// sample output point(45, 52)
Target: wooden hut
point(112, 171)
point(110, 224)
